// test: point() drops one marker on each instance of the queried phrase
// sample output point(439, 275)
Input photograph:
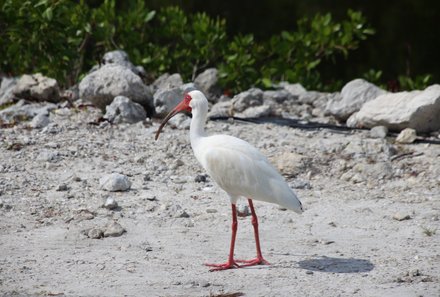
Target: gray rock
point(40, 121)
point(319, 99)
point(294, 89)
point(115, 182)
point(48, 156)
point(401, 217)
point(207, 82)
point(103, 85)
point(243, 210)
point(37, 87)
point(379, 132)
point(62, 188)
point(354, 95)
point(180, 121)
point(289, 163)
point(407, 135)
point(200, 178)
point(120, 57)
point(6, 90)
point(114, 229)
point(167, 81)
point(95, 233)
point(123, 110)
point(277, 96)
point(110, 203)
point(221, 109)
point(300, 184)
point(417, 109)
point(255, 112)
point(246, 99)
point(166, 99)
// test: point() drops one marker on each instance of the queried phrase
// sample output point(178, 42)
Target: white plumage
point(237, 167)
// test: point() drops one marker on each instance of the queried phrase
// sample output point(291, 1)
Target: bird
point(238, 168)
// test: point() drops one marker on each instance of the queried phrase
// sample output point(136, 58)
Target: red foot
point(252, 262)
point(223, 266)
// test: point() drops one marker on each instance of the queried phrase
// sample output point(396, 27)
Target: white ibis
point(238, 168)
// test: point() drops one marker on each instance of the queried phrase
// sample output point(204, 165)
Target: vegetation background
point(321, 44)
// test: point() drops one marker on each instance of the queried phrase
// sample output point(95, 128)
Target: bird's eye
point(188, 98)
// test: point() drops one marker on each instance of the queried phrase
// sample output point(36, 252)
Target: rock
point(243, 210)
point(207, 82)
point(111, 80)
point(200, 178)
point(211, 210)
point(319, 99)
point(246, 99)
point(110, 203)
point(6, 90)
point(166, 99)
point(180, 121)
point(182, 214)
point(295, 90)
point(115, 182)
point(353, 96)
point(417, 109)
point(123, 110)
point(166, 81)
point(300, 184)
point(95, 233)
point(114, 229)
point(37, 87)
point(120, 57)
point(40, 121)
point(407, 135)
point(401, 217)
point(255, 112)
point(62, 187)
point(221, 109)
point(290, 164)
point(379, 132)
point(48, 156)
point(277, 96)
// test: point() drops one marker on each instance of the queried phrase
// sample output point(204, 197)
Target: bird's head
point(192, 100)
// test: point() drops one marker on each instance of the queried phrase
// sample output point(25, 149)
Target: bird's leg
point(259, 259)
point(231, 262)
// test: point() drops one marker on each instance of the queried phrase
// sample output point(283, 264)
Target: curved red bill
point(180, 107)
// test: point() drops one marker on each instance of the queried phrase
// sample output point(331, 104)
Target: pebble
point(407, 135)
point(114, 182)
point(401, 217)
point(200, 178)
point(62, 187)
point(110, 203)
point(95, 233)
point(243, 210)
point(211, 210)
point(379, 132)
point(301, 184)
point(114, 230)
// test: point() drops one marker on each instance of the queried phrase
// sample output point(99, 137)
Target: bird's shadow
point(337, 265)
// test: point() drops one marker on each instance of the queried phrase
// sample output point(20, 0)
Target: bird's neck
point(197, 127)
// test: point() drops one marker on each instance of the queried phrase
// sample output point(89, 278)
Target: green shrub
point(64, 39)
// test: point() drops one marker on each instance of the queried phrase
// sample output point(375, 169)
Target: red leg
point(259, 259)
point(231, 262)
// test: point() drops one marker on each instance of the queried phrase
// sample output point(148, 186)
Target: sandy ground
point(346, 243)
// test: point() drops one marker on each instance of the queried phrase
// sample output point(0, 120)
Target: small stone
point(407, 135)
point(115, 182)
point(301, 184)
point(114, 230)
point(379, 132)
point(95, 233)
point(211, 210)
point(62, 187)
point(243, 210)
point(309, 272)
point(110, 203)
point(40, 121)
point(200, 178)
point(183, 214)
point(401, 217)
